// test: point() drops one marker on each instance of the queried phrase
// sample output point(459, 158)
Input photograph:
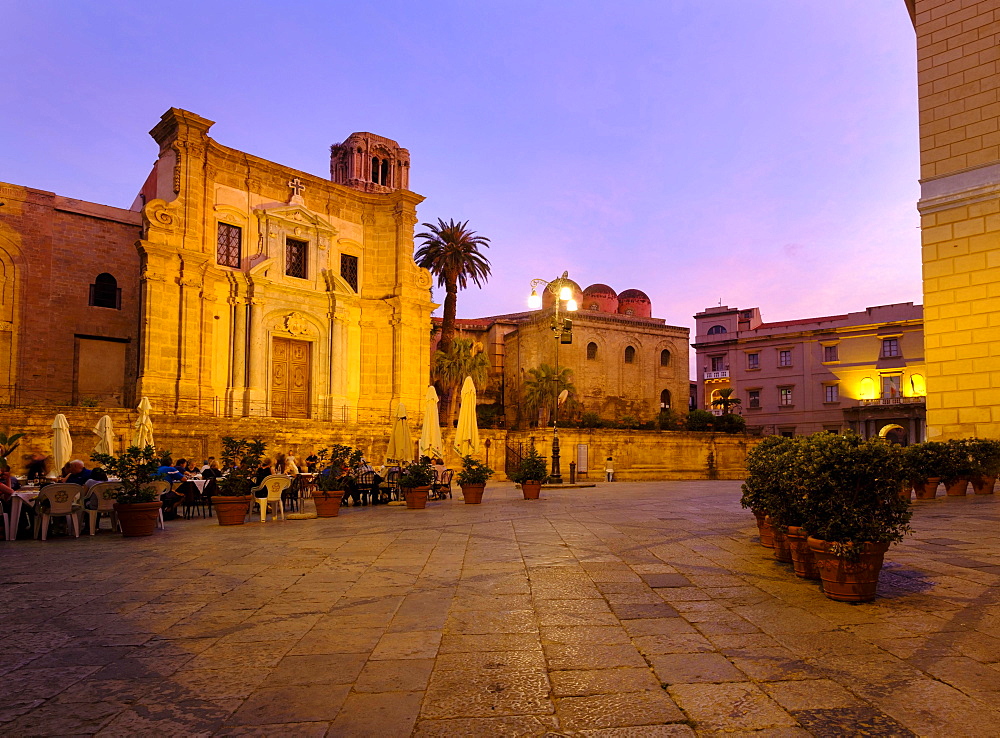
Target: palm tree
point(543, 385)
point(726, 400)
point(451, 252)
point(451, 367)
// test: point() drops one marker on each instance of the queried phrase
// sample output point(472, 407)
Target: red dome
point(601, 298)
point(635, 303)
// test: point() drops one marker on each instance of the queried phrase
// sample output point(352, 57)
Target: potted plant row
point(531, 474)
point(956, 463)
point(472, 479)
point(242, 458)
point(135, 502)
point(835, 499)
point(334, 479)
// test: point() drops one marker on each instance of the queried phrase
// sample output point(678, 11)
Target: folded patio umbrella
point(143, 435)
point(430, 435)
point(62, 444)
point(400, 442)
point(467, 435)
point(105, 432)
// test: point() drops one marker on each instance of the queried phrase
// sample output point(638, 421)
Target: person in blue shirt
point(169, 472)
point(78, 473)
point(171, 499)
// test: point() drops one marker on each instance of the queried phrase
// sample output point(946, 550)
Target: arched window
point(629, 354)
point(665, 358)
point(385, 172)
point(591, 350)
point(105, 293)
point(375, 169)
point(716, 330)
point(665, 400)
point(593, 306)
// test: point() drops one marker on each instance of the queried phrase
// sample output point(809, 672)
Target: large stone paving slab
point(641, 609)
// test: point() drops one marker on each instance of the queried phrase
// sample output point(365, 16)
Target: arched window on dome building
point(591, 350)
point(665, 357)
point(104, 292)
point(629, 354)
point(716, 330)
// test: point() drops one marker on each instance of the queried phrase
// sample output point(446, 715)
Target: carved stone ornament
point(424, 279)
point(158, 215)
point(296, 324)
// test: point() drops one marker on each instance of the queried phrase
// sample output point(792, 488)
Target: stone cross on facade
point(297, 187)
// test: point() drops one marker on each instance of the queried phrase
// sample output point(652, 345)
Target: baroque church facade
point(233, 287)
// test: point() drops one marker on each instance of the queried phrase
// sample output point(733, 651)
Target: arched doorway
point(894, 434)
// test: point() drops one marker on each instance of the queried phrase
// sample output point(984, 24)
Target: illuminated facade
point(862, 371)
point(958, 50)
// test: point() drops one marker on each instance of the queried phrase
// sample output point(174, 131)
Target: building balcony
point(716, 412)
point(894, 401)
point(724, 374)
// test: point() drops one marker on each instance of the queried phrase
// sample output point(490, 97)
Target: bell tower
point(370, 163)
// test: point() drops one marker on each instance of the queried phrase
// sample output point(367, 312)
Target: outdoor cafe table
point(25, 494)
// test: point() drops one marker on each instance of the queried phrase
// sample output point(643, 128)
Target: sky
point(749, 152)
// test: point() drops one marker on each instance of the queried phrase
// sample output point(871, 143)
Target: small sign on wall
point(582, 454)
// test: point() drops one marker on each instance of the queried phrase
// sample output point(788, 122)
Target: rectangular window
point(295, 258)
point(890, 347)
point(349, 270)
point(718, 363)
point(753, 398)
point(229, 245)
point(753, 361)
point(830, 353)
point(831, 393)
point(785, 396)
point(891, 386)
point(785, 357)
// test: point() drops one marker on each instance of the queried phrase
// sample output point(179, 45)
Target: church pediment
point(295, 215)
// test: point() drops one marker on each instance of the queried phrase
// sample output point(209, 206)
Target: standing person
point(311, 461)
point(291, 465)
point(609, 470)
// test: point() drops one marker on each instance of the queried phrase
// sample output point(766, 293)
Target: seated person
point(439, 468)
point(182, 467)
point(211, 471)
point(78, 473)
point(97, 476)
point(9, 485)
point(169, 472)
point(263, 471)
point(311, 461)
point(357, 495)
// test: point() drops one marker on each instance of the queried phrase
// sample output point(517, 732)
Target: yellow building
point(958, 53)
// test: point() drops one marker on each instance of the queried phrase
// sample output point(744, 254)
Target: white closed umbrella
point(62, 444)
point(430, 435)
point(400, 442)
point(467, 434)
point(143, 435)
point(105, 432)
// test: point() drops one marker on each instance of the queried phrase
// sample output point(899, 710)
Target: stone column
point(256, 391)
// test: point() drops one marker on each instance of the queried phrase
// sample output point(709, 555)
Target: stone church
point(234, 287)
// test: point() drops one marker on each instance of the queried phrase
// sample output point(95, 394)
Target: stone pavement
point(644, 609)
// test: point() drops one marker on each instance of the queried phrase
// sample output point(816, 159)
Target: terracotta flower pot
point(473, 493)
point(328, 503)
point(138, 518)
point(766, 531)
point(416, 497)
point(958, 488)
point(848, 581)
point(232, 510)
point(782, 552)
point(983, 485)
point(926, 490)
point(531, 490)
point(802, 556)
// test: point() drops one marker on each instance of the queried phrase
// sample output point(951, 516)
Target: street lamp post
point(563, 300)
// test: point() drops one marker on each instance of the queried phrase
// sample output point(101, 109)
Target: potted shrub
point(136, 505)
point(851, 508)
point(924, 462)
point(531, 474)
point(986, 465)
point(472, 479)
point(242, 458)
point(334, 479)
point(786, 514)
point(957, 467)
point(762, 481)
point(415, 481)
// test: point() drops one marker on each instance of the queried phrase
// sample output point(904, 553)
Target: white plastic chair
point(106, 494)
point(275, 485)
point(162, 486)
point(62, 500)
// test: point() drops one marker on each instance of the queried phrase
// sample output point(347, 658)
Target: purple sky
point(761, 152)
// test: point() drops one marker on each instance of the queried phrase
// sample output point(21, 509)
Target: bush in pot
point(957, 466)
point(415, 481)
point(334, 479)
point(851, 508)
point(233, 497)
point(531, 473)
point(135, 504)
point(764, 470)
point(924, 462)
point(786, 509)
point(472, 479)
point(985, 454)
